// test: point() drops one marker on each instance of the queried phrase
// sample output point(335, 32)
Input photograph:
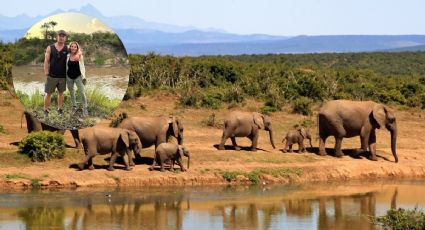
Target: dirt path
point(208, 165)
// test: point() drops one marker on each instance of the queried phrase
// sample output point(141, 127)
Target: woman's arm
point(82, 67)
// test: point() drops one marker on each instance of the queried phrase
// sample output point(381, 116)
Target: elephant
point(344, 118)
point(170, 152)
point(154, 130)
point(296, 136)
point(34, 125)
point(245, 124)
point(103, 140)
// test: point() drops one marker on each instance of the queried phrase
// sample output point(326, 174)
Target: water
point(329, 206)
point(111, 80)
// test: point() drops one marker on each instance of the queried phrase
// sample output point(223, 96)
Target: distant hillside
point(410, 49)
point(142, 37)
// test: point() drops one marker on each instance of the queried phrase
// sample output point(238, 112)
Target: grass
point(35, 181)
point(399, 219)
point(98, 105)
point(255, 175)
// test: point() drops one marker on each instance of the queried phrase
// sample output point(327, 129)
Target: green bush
point(212, 101)
point(2, 129)
point(114, 123)
point(402, 219)
point(302, 106)
point(43, 146)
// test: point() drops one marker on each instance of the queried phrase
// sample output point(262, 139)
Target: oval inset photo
point(70, 71)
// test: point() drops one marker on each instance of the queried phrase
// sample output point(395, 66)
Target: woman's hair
point(79, 51)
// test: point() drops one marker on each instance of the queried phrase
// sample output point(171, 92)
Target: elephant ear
point(302, 132)
point(124, 138)
point(259, 120)
point(174, 122)
point(379, 113)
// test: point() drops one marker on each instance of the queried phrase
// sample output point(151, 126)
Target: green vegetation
point(212, 121)
point(254, 176)
point(401, 219)
point(115, 122)
point(43, 146)
point(297, 80)
point(98, 106)
point(6, 60)
point(2, 129)
point(98, 48)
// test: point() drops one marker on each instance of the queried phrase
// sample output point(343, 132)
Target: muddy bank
point(339, 170)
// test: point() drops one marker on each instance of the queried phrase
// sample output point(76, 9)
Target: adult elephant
point(245, 124)
point(154, 130)
point(34, 125)
point(344, 118)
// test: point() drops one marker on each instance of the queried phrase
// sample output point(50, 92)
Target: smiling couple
point(64, 66)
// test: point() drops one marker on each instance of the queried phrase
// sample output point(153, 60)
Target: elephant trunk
point(393, 132)
point(188, 160)
point(271, 138)
point(180, 139)
point(309, 139)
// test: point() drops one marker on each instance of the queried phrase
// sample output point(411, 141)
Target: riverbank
point(210, 166)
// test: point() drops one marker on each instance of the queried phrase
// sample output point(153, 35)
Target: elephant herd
point(337, 118)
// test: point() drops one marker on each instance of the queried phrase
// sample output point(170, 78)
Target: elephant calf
point(296, 136)
point(170, 152)
point(103, 140)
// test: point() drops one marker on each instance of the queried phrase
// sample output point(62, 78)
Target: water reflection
point(277, 207)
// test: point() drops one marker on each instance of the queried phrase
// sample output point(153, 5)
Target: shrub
point(302, 106)
point(43, 146)
point(2, 129)
point(401, 219)
point(211, 101)
point(233, 94)
point(211, 121)
point(118, 120)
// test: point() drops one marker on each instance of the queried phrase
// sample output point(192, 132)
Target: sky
point(70, 22)
point(274, 17)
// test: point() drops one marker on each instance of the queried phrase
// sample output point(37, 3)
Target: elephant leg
point(126, 161)
point(112, 161)
point(130, 157)
point(179, 162)
point(286, 147)
point(153, 164)
point(322, 144)
point(161, 163)
point(90, 163)
point(237, 148)
point(84, 162)
point(372, 146)
point(172, 165)
point(254, 140)
point(226, 134)
point(338, 151)
point(290, 148)
point(301, 147)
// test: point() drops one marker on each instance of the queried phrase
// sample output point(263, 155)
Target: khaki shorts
point(52, 83)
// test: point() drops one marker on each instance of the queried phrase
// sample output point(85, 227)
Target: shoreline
point(141, 177)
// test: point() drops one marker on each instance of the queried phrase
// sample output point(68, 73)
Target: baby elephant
point(170, 152)
point(296, 136)
point(103, 140)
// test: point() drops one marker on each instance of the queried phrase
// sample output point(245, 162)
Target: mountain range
point(141, 36)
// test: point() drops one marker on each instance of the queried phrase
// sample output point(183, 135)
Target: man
point(55, 71)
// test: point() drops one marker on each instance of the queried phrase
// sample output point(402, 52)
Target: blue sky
point(275, 17)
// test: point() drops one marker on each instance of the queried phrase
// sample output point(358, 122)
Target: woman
point(76, 74)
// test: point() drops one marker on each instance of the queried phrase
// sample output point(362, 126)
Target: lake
point(113, 80)
point(319, 206)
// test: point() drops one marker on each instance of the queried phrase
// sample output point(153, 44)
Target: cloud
point(96, 25)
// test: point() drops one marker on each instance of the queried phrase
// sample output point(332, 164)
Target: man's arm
point(47, 61)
